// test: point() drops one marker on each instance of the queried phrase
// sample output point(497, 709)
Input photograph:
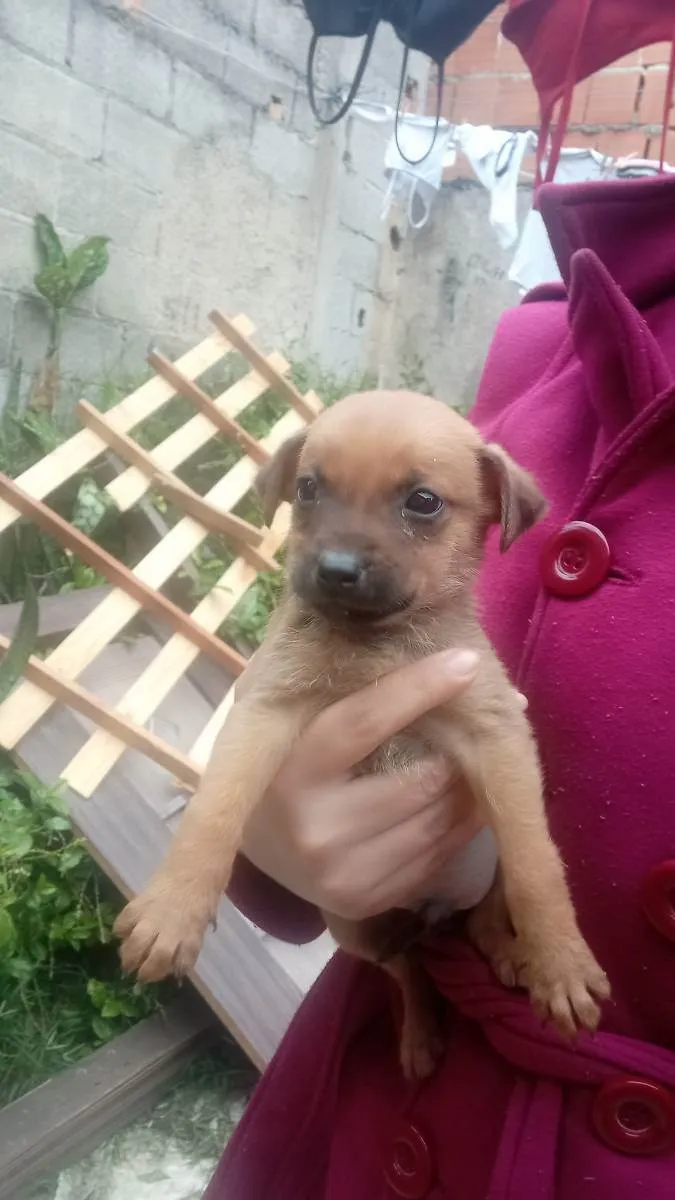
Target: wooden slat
point(245, 346)
point(179, 446)
point(202, 401)
point(115, 572)
point(201, 750)
point(214, 520)
point(71, 456)
point(58, 1123)
point(74, 696)
point(27, 703)
point(103, 750)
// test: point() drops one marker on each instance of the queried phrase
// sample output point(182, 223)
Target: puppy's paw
point(565, 984)
point(161, 934)
point(420, 1051)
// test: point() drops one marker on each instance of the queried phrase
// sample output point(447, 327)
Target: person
point(580, 387)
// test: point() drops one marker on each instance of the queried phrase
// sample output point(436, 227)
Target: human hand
point(359, 846)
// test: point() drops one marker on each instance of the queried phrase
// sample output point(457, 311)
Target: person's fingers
point(352, 728)
point(395, 869)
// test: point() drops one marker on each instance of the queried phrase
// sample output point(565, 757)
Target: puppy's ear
point(276, 480)
point(514, 500)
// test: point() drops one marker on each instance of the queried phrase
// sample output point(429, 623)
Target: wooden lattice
point(56, 677)
point(90, 705)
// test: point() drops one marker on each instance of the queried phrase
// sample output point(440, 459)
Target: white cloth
point(496, 157)
point(414, 162)
point(534, 261)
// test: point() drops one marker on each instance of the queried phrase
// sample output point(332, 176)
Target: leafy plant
point(60, 278)
point(61, 992)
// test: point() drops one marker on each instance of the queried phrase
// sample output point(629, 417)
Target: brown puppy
point(392, 495)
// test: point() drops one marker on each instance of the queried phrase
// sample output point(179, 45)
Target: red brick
point(508, 57)
point(612, 98)
point(658, 53)
point(478, 54)
point(476, 100)
point(617, 142)
point(580, 102)
point(517, 103)
point(650, 109)
point(629, 60)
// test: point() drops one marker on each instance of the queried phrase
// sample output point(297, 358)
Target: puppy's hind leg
point(421, 1044)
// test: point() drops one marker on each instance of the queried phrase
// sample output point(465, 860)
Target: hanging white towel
point(496, 157)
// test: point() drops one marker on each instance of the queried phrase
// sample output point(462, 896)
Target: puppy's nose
point(339, 570)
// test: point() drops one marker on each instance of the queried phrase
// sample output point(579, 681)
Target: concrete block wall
point(183, 131)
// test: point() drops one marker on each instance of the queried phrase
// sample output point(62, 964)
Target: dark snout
point(340, 572)
point(344, 582)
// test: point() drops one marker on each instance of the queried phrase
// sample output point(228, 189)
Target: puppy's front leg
point(559, 969)
point(163, 928)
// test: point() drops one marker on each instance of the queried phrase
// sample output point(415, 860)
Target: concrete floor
point(171, 1151)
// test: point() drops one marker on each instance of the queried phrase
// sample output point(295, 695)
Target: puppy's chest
point(436, 735)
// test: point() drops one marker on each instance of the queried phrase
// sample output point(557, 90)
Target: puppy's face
point(392, 495)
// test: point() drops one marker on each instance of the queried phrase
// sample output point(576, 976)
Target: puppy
point(393, 494)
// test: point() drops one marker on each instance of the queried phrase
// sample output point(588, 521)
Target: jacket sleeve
point(271, 907)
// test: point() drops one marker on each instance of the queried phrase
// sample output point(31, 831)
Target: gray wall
point(213, 192)
point(448, 286)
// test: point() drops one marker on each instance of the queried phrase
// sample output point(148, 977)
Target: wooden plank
point(115, 571)
point(71, 456)
point(77, 697)
point(214, 520)
point(27, 703)
point(202, 401)
point(58, 614)
point(59, 1122)
point(244, 345)
point(98, 756)
point(179, 446)
point(247, 987)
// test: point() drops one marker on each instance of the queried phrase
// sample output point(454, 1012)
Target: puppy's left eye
point(306, 489)
point(423, 503)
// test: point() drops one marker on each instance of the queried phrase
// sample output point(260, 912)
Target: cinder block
point(29, 176)
point(141, 147)
point(203, 109)
point(360, 206)
point(252, 74)
point(365, 148)
point(283, 29)
point(90, 350)
point(116, 58)
point(283, 156)
point(358, 257)
point(41, 100)
point(95, 200)
point(6, 325)
point(129, 290)
point(40, 25)
point(196, 33)
point(18, 260)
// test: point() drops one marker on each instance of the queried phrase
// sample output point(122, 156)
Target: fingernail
point(463, 662)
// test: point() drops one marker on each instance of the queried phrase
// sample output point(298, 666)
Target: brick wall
point(618, 111)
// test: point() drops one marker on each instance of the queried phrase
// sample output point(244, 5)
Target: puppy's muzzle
point(345, 582)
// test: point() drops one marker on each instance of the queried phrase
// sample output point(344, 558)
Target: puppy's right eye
point(306, 490)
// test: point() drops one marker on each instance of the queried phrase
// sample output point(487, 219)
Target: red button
point(409, 1170)
point(657, 896)
point(575, 560)
point(635, 1116)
